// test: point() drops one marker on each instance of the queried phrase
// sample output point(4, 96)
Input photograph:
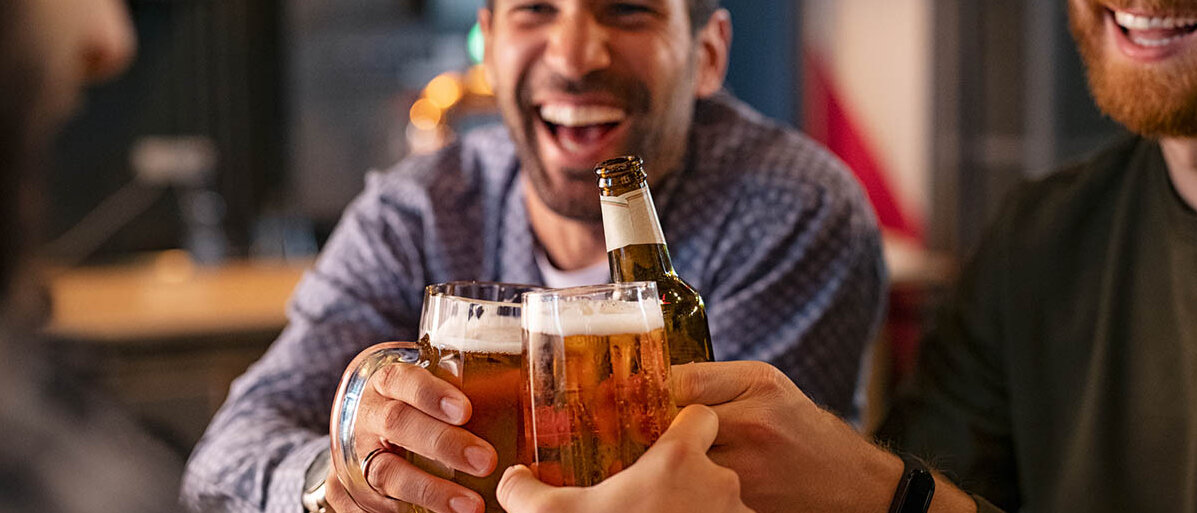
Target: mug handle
point(344, 418)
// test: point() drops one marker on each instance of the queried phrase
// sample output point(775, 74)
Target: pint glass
point(598, 372)
point(470, 336)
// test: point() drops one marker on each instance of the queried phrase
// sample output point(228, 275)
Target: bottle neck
point(630, 218)
point(635, 242)
point(641, 262)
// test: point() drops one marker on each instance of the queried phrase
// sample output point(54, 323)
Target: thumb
point(695, 427)
point(520, 491)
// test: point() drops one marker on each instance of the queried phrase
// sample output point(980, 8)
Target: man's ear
point(484, 23)
point(714, 44)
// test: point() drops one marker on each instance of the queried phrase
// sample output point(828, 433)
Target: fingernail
point(463, 504)
point(478, 457)
point(454, 409)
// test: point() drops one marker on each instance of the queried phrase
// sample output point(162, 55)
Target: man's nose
point(577, 46)
point(109, 42)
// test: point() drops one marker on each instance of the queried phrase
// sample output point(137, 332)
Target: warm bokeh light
point(444, 91)
point(425, 115)
point(476, 81)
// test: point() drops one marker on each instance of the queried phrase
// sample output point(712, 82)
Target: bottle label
point(631, 219)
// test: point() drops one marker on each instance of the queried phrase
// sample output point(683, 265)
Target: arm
point(801, 286)
point(365, 289)
point(790, 454)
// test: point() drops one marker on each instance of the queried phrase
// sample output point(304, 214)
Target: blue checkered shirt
point(770, 228)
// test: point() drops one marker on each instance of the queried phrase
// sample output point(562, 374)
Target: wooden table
point(166, 337)
point(165, 296)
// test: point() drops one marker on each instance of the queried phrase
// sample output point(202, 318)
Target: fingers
point(402, 424)
point(695, 427)
point(713, 383)
point(395, 477)
point(338, 498)
point(416, 386)
point(521, 492)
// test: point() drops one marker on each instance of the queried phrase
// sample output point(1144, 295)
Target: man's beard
point(1159, 101)
point(574, 193)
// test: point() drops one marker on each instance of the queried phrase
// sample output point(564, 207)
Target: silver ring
point(366, 464)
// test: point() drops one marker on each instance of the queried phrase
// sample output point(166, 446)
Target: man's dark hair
point(700, 11)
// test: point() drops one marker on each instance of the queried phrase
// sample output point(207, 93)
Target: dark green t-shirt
point(1063, 375)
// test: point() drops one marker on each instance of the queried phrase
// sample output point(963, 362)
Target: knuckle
point(728, 480)
point(445, 441)
point(673, 454)
point(396, 417)
point(420, 490)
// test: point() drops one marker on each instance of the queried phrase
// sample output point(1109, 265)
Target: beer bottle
point(636, 251)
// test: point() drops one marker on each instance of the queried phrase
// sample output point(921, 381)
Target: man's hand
point(674, 476)
point(405, 407)
point(790, 454)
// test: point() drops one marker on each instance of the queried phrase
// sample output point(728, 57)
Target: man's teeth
point(1130, 21)
point(581, 115)
point(1155, 42)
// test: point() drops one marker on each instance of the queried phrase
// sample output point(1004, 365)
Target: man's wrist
point(884, 470)
point(950, 499)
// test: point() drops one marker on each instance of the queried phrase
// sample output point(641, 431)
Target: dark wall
point(764, 67)
point(204, 68)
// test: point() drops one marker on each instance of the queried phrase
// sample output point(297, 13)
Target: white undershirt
point(555, 278)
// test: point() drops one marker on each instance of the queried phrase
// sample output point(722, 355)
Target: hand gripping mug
point(470, 337)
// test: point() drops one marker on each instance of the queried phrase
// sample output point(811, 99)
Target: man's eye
point(629, 12)
point(630, 8)
point(535, 8)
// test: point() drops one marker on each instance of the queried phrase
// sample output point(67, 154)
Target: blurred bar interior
point(191, 194)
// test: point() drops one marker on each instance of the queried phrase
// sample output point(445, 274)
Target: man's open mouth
point(581, 129)
point(1154, 31)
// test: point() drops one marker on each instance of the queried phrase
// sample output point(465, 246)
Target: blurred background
point(190, 195)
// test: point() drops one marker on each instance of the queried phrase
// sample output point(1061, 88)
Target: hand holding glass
point(470, 339)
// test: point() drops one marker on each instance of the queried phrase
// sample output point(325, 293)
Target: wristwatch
point(915, 489)
point(314, 500)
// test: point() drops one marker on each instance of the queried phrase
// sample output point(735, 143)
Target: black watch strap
point(915, 489)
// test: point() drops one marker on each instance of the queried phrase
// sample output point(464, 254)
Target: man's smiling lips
point(579, 134)
point(1147, 37)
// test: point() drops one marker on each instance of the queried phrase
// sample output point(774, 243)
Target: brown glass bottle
point(636, 251)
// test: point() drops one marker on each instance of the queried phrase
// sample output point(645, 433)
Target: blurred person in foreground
point(63, 448)
point(771, 229)
point(1063, 376)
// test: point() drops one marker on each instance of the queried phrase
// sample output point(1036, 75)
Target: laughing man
point(769, 227)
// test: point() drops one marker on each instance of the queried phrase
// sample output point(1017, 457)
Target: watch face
point(317, 472)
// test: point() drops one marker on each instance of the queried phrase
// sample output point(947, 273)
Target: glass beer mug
point(470, 336)
point(598, 368)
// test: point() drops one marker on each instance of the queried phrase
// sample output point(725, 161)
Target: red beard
point(1157, 100)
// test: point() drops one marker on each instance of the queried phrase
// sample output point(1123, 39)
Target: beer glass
point(598, 372)
point(469, 336)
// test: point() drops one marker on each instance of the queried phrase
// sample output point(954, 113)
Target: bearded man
point(1064, 378)
point(1063, 375)
point(770, 229)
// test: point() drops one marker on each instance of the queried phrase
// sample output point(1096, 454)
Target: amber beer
point(599, 377)
point(636, 251)
point(477, 345)
point(488, 372)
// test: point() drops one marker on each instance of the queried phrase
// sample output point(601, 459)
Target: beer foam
point(488, 334)
point(594, 318)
